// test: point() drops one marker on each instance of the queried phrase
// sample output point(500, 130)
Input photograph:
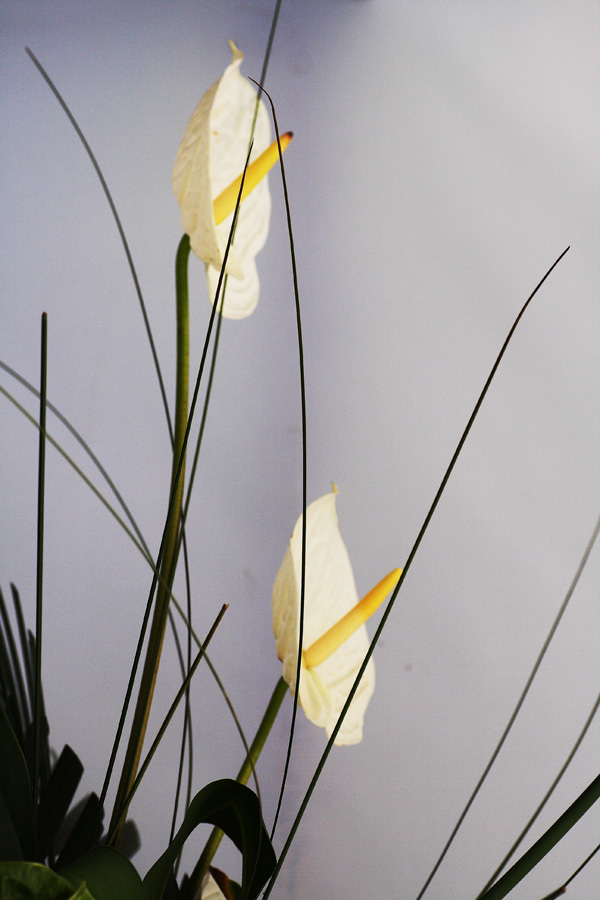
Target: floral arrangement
point(54, 848)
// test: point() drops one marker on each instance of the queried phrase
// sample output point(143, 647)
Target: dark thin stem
point(582, 866)
point(405, 570)
point(511, 721)
point(113, 209)
point(549, 793)
point(40, 568)
point(304, 466)
point(186, 732)
point(267, 57)
point(187, 722)
point(579, 739)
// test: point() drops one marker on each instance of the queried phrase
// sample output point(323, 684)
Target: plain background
point(445, 153)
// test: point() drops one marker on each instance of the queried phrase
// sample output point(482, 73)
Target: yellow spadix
point(329, 642)
point(224, 204)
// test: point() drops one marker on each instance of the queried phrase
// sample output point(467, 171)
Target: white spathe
point(211, 890)
point(211, 155)
point(330, 593)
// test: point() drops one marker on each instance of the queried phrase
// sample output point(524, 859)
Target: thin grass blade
point(120, 229)
point(304, 459)
point(544, 845)
point(511, 721)
point(541, 806)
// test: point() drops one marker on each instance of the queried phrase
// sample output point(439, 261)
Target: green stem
point(161, 731)
point(243, 775)
point(547, 841)
point(39, 572)
point(167, 568)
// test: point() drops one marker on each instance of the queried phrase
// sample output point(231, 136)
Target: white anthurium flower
point(334, 632)
point(211, 890)
point(211, 156)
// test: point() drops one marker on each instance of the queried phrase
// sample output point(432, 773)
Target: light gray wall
point(444, 155)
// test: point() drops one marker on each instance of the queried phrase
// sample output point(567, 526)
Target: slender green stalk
point(548, 840)
point(120, 819)
point(167, 568)
point(40, 569)
point(243, 775)
point(187, 723)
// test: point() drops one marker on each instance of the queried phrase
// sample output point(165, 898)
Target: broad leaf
point(33, 881)
point(12, 681)
point(82, 828)
point(108, 875)
point(234, 809)
point(56, 798)
point(16, 814)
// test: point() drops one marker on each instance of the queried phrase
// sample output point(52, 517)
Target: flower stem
point(243, 775)
point(169, 543)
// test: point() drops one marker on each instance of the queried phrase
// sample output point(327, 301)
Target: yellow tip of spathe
point(224, 204)
point(329, 642)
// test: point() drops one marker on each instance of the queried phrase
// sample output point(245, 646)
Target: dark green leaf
point(8, 698)
point(56, 798)
point(82, 829)
point(24, 639)
point(16, 668)
point(10, 672)
point(45, 765)
point(32, 881)
point(10, 845)
point(16, 814)
point(234, 809)
point(23, 672)
point(171, 891)
point(29, 749)
point(108, 875)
